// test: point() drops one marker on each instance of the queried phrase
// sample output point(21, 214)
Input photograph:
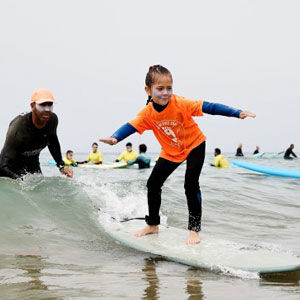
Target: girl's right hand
point(110, 141)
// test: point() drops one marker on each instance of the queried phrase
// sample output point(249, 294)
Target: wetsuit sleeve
point(123, 132)
point(220, 109)
point(293, 154)
point(9, 153)
point(54, 146)
point(133, 161)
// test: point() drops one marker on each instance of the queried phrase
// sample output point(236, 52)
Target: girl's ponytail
point(149, 100)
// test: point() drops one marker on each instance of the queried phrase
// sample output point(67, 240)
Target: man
point(289, 152)
point(128, 155)
point(220, 160)
point(95, 156)
point(239, 151)
point(143, 160)
point(256, 151)
point(28, 134)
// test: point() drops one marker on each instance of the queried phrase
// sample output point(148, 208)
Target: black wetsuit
point(255, 152)
point(23, 144)
point(239, 152)
point(288, 153)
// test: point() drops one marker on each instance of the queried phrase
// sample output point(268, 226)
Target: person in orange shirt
point(170, 118)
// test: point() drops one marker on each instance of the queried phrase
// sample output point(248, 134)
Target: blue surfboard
point(267, 170)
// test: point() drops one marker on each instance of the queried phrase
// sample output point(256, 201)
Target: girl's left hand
point(244, 114)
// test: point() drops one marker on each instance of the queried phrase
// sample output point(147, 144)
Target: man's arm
point(54, 148)
point(9, 153)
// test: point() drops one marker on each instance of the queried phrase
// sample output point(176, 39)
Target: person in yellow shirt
point(220, 160)
point(128, 155)
point(68, 159)
point(95, 156)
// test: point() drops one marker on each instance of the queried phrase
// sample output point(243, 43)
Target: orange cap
point(42, 95)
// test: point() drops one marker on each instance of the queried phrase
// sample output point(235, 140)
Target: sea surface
point(52, 245)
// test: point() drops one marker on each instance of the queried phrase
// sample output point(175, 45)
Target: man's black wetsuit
point(239, 152)
point(23, 144)
point(288, 153)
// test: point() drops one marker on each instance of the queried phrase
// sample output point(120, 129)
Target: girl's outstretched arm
point(122, 133)
point(224, 110)
point(244, 114)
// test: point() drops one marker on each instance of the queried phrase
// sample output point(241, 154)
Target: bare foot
point(147, 230)
point(193, 238)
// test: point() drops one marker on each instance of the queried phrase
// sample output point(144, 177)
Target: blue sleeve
point(220, 109)
point(133, 161)
point(123, 132)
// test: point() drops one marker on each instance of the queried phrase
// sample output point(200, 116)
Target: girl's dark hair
point(152, 72)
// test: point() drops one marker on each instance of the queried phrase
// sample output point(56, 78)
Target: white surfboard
point(104, 166)
point(212, 254)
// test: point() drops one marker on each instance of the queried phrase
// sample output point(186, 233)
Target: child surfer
point(170, 118)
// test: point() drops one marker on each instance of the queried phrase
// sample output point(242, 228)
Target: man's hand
point(67, 172)
point(110, 141)
point(244, 114)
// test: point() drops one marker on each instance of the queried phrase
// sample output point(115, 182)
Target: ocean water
point(52, 245)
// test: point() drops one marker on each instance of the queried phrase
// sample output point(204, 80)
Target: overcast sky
point(94, 56)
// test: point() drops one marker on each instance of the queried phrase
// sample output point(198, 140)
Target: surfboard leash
point(124, 220)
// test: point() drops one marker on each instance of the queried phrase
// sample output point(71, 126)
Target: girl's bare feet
point(147, 230)
point(193, 238)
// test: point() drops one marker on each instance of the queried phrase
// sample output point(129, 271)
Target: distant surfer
point(70, 161)
point(220, 160)
point(289, 151)
point(128, 155)
point(170, 118)
point(95, 157)
point(143, 159)
point(256, 151)
point(28, 134)
point(239, 151)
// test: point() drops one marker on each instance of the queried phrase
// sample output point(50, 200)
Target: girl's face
point(161, 90)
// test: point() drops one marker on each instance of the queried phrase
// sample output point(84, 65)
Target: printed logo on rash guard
point(170, 132)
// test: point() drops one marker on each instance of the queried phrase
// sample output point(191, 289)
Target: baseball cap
point(42, 95)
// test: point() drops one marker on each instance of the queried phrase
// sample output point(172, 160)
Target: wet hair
point(94, 144)
point(151, 76)
point(129, 145)
point(218, 151)
point(69, 152)
point(142, 148)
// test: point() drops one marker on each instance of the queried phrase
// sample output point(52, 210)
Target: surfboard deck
point(51, 162)
point(267, 170)
point(104, 166)
point(212, 254)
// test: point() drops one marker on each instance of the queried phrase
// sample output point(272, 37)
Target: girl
point(170, 118)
